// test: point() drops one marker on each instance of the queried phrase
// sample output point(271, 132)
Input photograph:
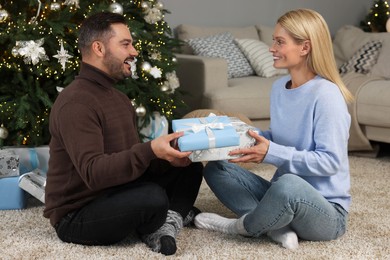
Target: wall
point(248, 12)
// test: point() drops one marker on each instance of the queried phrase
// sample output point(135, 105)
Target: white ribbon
point(207, 126)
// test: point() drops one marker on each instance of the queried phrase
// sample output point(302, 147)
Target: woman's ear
point(98, 48)
point(306, 47)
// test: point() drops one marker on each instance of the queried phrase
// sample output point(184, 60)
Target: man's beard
point(115, 66)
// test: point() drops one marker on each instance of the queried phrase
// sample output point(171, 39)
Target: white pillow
point(259, 56)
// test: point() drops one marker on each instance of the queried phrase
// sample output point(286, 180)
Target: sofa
point(206, 79)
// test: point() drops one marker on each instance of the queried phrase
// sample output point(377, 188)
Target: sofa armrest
point(198, 75)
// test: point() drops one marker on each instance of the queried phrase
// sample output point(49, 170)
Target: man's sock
point(285, 236)
point(189, 219)
point(163, 240)
point(211, 221)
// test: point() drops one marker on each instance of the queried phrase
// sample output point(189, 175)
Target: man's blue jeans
point(270, 206)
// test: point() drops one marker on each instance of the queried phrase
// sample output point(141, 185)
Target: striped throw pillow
point(259, 56)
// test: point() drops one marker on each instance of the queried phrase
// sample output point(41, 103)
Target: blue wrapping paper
point(11, 196)
point(214, 132)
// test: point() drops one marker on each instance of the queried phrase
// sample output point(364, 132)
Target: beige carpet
point(25, 234)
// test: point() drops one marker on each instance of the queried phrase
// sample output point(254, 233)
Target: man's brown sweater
point(94, 143)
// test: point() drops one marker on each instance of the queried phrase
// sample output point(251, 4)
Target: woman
point(308, 196)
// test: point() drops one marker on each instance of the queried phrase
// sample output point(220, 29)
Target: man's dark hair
point(97, 27)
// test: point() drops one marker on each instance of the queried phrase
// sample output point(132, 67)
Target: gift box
point(33, 165)
point(34, 183)
point(216, 154)
point(158, 126)
point(205, 133)
point(11, 196)
point(9, 164)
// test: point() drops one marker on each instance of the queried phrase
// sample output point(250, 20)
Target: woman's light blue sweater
point(309, 134)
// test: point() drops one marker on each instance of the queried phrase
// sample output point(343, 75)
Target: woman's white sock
point(286, 236)
point(211, 221)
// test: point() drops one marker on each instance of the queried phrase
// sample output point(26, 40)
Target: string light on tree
point(377, 17)
point(35, 67)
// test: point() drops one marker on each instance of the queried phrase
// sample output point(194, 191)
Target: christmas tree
point(39, 57)
point(376, 19)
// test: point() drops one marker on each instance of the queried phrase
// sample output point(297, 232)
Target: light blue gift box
point(205, 133)
point(11, 196)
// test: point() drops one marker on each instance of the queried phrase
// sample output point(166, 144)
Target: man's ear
point(98, 48)
point(306, 47)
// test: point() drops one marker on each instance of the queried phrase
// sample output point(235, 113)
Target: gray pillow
point(223, 46)
point(363, 59)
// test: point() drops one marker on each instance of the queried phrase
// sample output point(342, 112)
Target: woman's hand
point(255, 153)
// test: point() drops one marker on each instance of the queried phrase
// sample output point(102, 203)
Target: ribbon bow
point(207, 126)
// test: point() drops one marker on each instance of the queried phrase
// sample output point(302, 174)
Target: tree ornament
point(72, 2)
point(34, 19)
point(62, 56)
point(31, 51)
point(3, 15)
point(116, 8)
point(155, 72)
point(140, 111)
point(145, 5)
point(173, 80)
point(15, 51)
point(174, 59)
point(3, 132)
point(54, 6)
point(164, 88)
point(153, 15)
point(146, 66)
point(159, 5)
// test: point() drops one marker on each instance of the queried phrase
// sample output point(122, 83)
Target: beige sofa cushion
point(373, 106)
point(348, 39)
point(249, 96)
point(185, 32)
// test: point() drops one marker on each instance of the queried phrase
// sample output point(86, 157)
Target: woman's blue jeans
point(290, 200)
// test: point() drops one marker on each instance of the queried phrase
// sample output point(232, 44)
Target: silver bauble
point(145, 5)
point(174, 59)
point(140, 111)
point(15, 51)
point(55, 6)
point(146, 66)
point(159, 5)
point(3, 15)
point(3, 132)
point(164, 88)
point(116, 8)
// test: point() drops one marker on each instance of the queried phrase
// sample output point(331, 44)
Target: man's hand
point(162, 148)
point(252, 154)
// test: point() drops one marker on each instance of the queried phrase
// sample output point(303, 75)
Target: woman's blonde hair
point(306, 24)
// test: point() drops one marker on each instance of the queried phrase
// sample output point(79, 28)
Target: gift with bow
point(205, 133)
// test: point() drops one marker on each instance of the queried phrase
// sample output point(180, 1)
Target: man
point(103, 183)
